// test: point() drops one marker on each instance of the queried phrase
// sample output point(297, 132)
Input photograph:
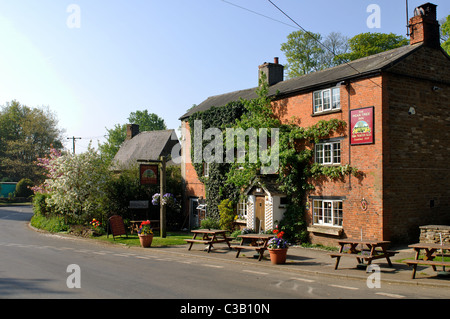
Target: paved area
point(318, 262)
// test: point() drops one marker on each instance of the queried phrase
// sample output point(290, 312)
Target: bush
point(227, 215)
point(54, 224)
point(210, 223)
point(23, 188)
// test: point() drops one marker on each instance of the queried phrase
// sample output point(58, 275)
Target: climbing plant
point(294, 145)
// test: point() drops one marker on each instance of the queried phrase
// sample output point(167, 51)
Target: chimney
point(132, 131)
point(424, 27)
point(274, 72)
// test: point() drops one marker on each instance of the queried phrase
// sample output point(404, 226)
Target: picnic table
point(376, 249)
point(428, 259)
point(257, 242)
point(135, 224)
point(209, 237)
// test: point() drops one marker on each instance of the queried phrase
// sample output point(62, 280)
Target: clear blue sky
point(163, 56)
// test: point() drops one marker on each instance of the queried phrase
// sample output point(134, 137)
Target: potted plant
point(278, 248)
point(145, 234)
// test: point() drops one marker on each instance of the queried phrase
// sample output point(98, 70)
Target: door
point(260, 213)
point(193, 213)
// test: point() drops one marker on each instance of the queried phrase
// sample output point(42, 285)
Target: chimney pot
point(424, 27)
point(132, 131)
point(275, 60)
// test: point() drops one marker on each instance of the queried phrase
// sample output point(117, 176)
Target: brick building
point(396, 105)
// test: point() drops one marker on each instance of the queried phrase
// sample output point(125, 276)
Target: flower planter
point(278, 256)
point(146, 240)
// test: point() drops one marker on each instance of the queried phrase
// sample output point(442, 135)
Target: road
point(35, 265)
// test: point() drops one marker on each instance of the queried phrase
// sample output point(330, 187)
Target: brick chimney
point(274, 72)
point(132, 131)
point(424, 26)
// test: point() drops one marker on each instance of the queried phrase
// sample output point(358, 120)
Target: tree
point(445, 34)
point(305, 53)
point(116, 136)
point(26, 134)
point(75, 183)
point(366, 44)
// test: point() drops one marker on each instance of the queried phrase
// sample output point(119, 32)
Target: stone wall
point(431, 234)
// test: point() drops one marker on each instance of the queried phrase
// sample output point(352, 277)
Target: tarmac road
point(38, 265)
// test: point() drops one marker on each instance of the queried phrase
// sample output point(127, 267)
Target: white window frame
point(328, 153)
point(242, 209)
point(327, 100)
point(327, 212)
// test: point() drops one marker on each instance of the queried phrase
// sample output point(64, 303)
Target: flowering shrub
point(278, 242)
point(145, 228)
point(168, 199)
point(95, 223)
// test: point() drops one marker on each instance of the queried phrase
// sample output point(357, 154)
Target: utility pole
point(162, 209)
point(73, 139)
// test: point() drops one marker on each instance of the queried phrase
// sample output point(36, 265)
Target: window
point(328, 153)
point(205, 169)
point(242, 209)
point(327, 212)
point(327, 100)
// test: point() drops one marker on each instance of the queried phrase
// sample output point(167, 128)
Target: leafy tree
point(366, 44)
point(445, 34)
point(26, 134)
point(305, 54)
point(116, 136)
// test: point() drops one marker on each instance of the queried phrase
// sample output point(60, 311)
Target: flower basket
point(146, 240)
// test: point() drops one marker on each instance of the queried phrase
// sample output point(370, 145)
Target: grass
point(172, 238)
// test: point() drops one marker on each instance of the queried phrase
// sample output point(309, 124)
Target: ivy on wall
point(297, 170)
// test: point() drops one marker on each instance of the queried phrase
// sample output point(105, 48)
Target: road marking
point(255, 272)
point(303, 279)
point(344, 287)
point(212, 266)
point(389, 295)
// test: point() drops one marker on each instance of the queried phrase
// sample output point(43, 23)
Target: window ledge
point(327, 112)
point(328, 230)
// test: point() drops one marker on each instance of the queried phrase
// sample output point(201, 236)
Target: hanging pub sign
point(362, 126)
point(148, 174)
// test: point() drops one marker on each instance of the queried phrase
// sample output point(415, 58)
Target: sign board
point(148, 174)
point(362, 126)
point(139, 204)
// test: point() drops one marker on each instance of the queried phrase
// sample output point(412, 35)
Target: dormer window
point(327, 100)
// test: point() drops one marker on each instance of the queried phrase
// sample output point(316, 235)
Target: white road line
point(389, 295)
point(255, 272)
point(211, 266)
point(344, 287)
point(303, 279)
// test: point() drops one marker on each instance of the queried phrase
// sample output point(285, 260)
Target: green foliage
point(210, 223)
point(23, 188)
point(227, 215)
point(26, 134)
point(53, 223)
point(297, 168)
point(445, 34)
point(366, 44)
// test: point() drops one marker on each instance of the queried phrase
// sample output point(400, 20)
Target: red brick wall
point(367, 158)
point(417, 173)
point(193, 186)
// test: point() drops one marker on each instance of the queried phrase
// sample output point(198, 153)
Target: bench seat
point(259, 249)
point(415, 262)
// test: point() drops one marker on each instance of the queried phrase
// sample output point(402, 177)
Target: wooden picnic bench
point(208, 237)
point(428, 258)
point(257, 242)
point(372, 252)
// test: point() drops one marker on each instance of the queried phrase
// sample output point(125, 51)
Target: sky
point(93, 62)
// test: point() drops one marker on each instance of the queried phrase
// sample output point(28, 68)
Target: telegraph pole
point(73, 139)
